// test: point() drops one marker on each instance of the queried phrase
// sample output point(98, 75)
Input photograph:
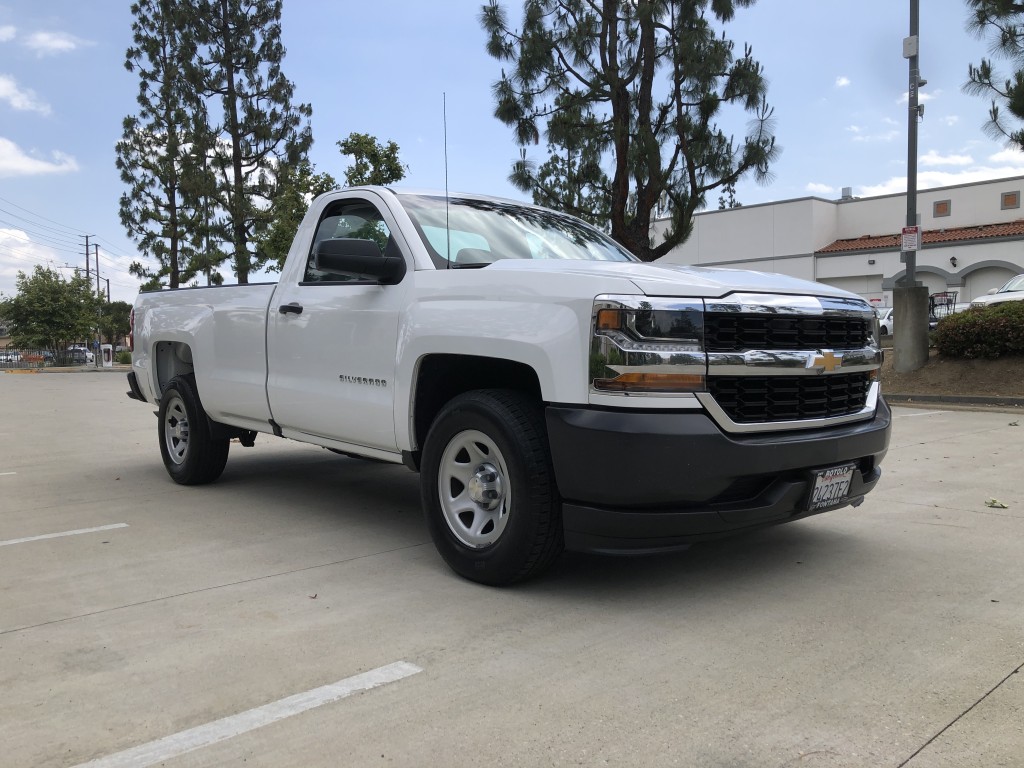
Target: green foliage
point(48, 311)
point(995, 331)
point(113, 321)
point(372, 162)
point(162, 152)
point(296, 187)
point(123, 357)
point(630, 97)
point(1002, 23)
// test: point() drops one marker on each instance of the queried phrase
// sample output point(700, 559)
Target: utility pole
point(911, 47)
point(87, 273)
point(910, 301)
point(99, 339)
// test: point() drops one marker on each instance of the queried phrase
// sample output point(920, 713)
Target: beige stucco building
point(973, 239)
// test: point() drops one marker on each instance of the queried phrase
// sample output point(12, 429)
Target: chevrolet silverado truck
point(552, 391)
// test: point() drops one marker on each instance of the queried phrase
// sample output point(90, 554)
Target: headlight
point(647, 345)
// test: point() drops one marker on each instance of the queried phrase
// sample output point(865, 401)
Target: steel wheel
point(192, 454)
point(176, 430)
point(488, 488)
point(474, 490)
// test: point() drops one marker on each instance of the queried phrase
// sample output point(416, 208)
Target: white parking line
point(235, 725)
point(912, 415)
point(64, 533)
point(5, 474)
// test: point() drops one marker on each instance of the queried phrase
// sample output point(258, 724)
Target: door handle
point(294, 308)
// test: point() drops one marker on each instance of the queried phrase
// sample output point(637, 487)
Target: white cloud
point(19, 253)
point(884, 137)
point(23, 101)
point(950, 120)
point(934, 179)
point(922, 97)
point(15, 162)
point(1010, 156)
point(934, 158)
point(52, 43)
point(820, 189)
point(842, 82)
point(7, 33)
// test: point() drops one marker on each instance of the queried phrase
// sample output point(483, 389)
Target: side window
point(354, 219)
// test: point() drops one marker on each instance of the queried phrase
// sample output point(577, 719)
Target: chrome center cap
point(486, 487)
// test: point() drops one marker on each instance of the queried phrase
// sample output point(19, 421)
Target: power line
point(64, 231)
point(49, 239)
point(38, 216)
point(67, 230)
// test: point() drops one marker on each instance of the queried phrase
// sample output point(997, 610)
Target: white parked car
point(885, 318)
point(1012, 291)
point(80, 354)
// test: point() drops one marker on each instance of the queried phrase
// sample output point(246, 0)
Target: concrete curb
point(1004, 402)
point(72, 369)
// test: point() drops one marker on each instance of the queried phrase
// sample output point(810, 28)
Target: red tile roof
point(892, 242)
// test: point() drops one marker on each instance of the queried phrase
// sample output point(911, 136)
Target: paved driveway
point(184, 623)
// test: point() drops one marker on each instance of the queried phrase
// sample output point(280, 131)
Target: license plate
point(830, 486)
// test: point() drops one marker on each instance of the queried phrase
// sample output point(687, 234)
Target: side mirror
point(993, 291)
point(361, 258)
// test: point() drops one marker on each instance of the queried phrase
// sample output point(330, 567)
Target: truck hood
point(678, 280)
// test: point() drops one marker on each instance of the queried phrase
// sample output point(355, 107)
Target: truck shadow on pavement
point(320, 488)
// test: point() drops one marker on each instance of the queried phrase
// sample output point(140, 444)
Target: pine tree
point(1003, 23)
point(162, 149)
point(641, 85)
point(260, 129)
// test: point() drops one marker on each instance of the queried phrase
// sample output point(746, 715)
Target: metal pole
point(99, 338)
point(911, 47)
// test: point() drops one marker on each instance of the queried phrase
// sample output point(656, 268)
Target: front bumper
point(644, 482)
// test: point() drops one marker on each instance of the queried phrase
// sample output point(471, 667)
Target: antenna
point(447, 227)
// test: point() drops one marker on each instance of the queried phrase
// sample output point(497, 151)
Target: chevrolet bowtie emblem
point(827, 361)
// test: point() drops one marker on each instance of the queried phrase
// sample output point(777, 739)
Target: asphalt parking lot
point(296, 614)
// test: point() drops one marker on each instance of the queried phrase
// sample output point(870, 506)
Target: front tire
point(488, 488)
point(191, 454)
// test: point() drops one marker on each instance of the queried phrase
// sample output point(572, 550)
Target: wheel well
point(442, 377)
point(172, 358)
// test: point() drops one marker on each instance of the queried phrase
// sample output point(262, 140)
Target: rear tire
point(191, 455)
point(488, 488)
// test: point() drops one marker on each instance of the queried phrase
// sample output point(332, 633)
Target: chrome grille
point(734, 332)
point(760, 399)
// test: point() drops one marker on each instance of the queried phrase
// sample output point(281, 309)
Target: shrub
point(996, 331)
point(124, 357)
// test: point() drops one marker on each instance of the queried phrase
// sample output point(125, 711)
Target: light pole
point(910, 301)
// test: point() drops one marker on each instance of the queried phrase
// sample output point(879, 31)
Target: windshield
point(1016, 284)
point(474, 233)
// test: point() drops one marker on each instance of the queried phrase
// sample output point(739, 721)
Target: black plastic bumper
point(133, 388)
point(648, 481)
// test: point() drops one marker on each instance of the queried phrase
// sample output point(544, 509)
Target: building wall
point(784, 237)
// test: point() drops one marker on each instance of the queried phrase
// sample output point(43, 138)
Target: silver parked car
point(1012, 291)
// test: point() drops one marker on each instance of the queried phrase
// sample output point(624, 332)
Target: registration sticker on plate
point(830, 486)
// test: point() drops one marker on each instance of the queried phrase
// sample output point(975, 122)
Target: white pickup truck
point(552, 391)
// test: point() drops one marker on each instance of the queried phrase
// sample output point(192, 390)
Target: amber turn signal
point(609, 320)
point(652, 382)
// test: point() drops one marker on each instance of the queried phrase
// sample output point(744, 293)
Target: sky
point(836, 72)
